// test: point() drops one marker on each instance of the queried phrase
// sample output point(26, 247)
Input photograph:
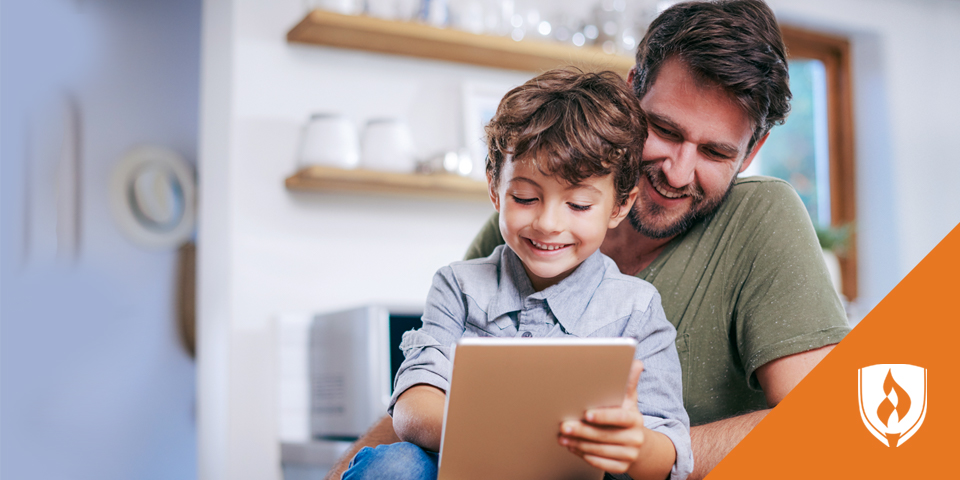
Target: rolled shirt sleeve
point(660, 390)
point(428, 351)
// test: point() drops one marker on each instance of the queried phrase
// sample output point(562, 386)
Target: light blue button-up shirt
point(493, 297)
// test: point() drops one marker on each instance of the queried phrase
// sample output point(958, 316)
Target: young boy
point(564, 162)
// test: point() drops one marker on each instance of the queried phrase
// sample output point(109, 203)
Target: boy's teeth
point(545, 247)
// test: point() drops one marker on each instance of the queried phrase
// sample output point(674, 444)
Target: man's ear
point(494, 194)
point(621, 211)
point(632, 73)
point(753, 153)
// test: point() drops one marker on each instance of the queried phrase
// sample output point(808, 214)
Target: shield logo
point(893, 401)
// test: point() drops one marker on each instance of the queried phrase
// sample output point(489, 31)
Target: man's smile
point(663, 189)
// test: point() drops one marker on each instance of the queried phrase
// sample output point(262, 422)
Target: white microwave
point(354, 357)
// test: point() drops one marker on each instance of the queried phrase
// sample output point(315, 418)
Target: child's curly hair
point(573, 124)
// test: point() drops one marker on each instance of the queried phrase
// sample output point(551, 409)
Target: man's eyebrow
point(664, 120)
point(721, 147)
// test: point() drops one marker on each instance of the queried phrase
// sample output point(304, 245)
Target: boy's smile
point(551, 225)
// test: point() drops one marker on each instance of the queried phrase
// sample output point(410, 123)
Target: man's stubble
point(701, 206)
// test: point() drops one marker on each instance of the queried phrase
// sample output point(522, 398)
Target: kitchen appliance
point(354, 356)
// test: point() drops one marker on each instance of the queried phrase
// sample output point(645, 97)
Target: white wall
point(94, 382)
point(905, 110)
point(306, 252)
point(265, 250)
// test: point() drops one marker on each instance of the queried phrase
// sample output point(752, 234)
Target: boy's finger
point(613, 417)
point(601, 434)
point(613, 452)
point(630, 396)
point(605, 464)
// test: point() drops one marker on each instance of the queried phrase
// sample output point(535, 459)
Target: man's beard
point(701, 206)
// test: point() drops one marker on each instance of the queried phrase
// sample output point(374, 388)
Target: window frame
point(834, 52)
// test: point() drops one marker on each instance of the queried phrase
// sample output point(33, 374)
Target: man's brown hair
point(572, 124)
point(735, 44)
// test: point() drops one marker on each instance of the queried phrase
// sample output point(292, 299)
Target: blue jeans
point(397, 461)
point(402, 461)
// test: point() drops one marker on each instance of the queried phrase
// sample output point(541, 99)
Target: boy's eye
point(523, 201)
point(579, 208)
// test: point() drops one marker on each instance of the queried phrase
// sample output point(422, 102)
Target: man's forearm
point(381, 433)
point(713, 441)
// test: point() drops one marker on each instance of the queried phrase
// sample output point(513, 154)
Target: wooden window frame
point(834, 52)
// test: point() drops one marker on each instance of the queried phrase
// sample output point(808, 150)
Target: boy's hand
point(609, 438)
point(615, 440)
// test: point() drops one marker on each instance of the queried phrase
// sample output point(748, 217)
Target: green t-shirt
point(745, 286)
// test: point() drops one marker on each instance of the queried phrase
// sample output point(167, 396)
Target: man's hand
point(615, 440)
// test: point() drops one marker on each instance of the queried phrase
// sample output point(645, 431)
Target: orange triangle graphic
point(817, 432)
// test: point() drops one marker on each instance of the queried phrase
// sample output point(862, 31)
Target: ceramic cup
point(387, 145)
point(330, 140)
point(346, 7)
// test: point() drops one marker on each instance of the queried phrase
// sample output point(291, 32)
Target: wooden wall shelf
point(417, 40)
point(318, 179)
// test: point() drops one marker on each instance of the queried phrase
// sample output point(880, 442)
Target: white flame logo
point(893, 401)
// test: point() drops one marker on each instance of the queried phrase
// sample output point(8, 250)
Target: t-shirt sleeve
point(486, 240)
point(785, 302)
point(660, 392)
point(428, 350)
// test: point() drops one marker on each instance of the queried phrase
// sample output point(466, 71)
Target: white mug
point(331, 140)
point(387, 145)
point(345, 7)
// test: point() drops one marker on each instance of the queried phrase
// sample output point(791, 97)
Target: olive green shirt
point(744, 286)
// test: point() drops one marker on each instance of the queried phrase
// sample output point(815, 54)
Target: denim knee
point(397, 461)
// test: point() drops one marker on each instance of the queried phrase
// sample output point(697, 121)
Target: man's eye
point(523, 201)
point(716, 155)
point(579, 208)
point(663, 132)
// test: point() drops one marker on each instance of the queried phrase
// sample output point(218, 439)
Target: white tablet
point(508, 396)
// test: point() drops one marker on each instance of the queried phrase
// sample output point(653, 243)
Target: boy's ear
point(494, 194)
point(620, 212)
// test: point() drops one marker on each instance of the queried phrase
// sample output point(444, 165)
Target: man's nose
point(679, 168)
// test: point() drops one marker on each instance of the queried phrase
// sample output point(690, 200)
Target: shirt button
point(527, 334)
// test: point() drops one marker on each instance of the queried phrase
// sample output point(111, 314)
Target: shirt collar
point(513, 286)
point(567, 299)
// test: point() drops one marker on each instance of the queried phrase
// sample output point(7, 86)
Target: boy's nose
point(550, 220)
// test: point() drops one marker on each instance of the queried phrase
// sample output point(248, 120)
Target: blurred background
point(231, 164)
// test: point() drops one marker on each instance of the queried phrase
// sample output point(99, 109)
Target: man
point(736, 261)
